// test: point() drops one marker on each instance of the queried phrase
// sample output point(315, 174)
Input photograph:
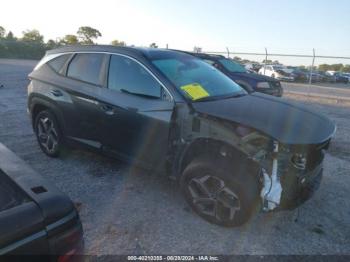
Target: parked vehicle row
point(295, 74)
point(248, 80)
point(276, 71)
point(231, 151)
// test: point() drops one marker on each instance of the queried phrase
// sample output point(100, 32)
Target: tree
point(2, 32)
point(87, 34)
point(51, 44)
point(69, 40)
point(324, 67)
point(337, 67)
point(32, 36)
point(10, 36)
point(153, 45)
point(346, 69)
point(237, 58)
point(118, 43)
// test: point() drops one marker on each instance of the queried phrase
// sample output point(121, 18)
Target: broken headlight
point(299, 161)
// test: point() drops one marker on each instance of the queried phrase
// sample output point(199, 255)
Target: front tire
point(48, 133)
point(217, 194)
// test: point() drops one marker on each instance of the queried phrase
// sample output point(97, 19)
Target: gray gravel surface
point(125, 210)
point(338, 89)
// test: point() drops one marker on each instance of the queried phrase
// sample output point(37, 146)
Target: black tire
point(242, 203)
point(48, 133)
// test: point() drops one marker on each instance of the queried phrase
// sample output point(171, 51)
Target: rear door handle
point(108, 110)
point(56, 92)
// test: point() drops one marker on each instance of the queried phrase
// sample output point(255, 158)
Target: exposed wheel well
point(210, 147)
point(37, 109)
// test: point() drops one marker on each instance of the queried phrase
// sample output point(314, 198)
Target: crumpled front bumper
point(298, 189)
point(287, 185)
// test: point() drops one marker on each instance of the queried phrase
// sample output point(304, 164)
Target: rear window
point(232, 66)
point(57, 63)
point(86, 67)
point(10, 194)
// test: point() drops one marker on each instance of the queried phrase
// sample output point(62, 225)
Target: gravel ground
point(338, 89)
point(125, 210)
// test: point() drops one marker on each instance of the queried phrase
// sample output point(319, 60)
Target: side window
point(57, 63)
point(128, 76)
point(86, 67)
point(10, 194)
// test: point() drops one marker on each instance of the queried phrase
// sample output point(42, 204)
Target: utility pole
point(311, 71)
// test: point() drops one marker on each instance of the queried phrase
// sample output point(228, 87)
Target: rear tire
point(218, 194)
point(48, 133)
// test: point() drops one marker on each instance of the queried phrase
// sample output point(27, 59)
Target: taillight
point(68, 257)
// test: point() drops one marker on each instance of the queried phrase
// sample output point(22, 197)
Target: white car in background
point(276, 71)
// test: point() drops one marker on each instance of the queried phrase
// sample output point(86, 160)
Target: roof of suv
point(136, 51)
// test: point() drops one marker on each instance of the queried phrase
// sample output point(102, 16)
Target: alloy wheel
point(212, 197)
point(47, 134)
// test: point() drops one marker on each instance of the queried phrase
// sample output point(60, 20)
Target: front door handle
point(108, 110)
point(56, 92)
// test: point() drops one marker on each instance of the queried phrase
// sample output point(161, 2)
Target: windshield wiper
point(138, 94)
point(211, 98)
point(206, 98)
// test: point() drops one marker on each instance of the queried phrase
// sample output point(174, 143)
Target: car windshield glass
point(232, 66)
point(196, 79)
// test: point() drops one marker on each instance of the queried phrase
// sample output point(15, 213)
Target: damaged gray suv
point(170, 112)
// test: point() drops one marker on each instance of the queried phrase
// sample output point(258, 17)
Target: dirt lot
point(125, 210)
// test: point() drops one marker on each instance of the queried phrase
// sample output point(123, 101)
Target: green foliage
point(10, 36)
point(2, 32)
point(346, 69)
point(334, 67)
point(69, 40)
point(87, 34)
point(52, 44)
point(33, 36)
point(118, 43)
point(32, 46)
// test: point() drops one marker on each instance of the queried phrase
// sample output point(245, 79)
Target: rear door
point(137, 112)
point(85, 78)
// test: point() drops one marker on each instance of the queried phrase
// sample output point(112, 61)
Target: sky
point(282, 26)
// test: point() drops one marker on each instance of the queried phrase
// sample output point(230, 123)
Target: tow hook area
point(272, 189)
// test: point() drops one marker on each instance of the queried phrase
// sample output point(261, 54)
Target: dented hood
point(284, 121)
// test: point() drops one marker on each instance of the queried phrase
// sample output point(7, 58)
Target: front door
point(138, 112)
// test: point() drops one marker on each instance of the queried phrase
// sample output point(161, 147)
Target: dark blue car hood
point(249, 76)
point(284, 121)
